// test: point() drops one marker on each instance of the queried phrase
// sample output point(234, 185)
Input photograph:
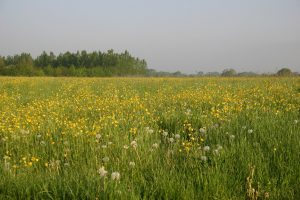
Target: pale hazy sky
point(190, 35)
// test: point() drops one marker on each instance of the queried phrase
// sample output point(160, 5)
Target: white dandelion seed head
point(219, 147)
point(149, 130)
point(188, 112)
point(171, 140)
point(98, 136)
point(102, 172)
point(216, 125)
point(202, 130)
point(165, 133)
point(134, 144)
point(115, 176)
point(105, 159)
point(24, 132)
point(216, 152)
point(177, 136)
point(206, 148)
point(155, 146)
point(250, 131)
point(131, 164)
point(296, 121)
point(203, 158)
point(232, 137)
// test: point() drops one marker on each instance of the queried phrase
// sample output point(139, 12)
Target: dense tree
point(229, 72)
point(200, 73)
point(75, 64)
point(284, 72)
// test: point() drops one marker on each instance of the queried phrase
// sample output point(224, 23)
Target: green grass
point(59, 121)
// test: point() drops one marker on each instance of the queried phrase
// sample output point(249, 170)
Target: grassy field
point(149, 138)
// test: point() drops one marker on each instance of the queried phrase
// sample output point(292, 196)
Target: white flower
point(188, 112)
point(232, 137)
point(171, 140)
point(177, 136)
point(202, 130)
point(296, 121)
point(115, 176)
point(216, 152)
point(104, 146)
point(24, 132)
point(55, 164)
point(206, 148)
point(134, 144)
point(244, 127)
point(125, 146)
point(155, 146)
point(165, 133)
point(43, 143)
point(149, 130)
point(102, 172)
point(219, 147)
point(98, 136)
point(203, 158)
point(131, 164)
point(109, 143)
point(105, 159)
point(39, 136)
point(250, 131)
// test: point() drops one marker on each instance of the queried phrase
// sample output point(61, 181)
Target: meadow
point(149, 138)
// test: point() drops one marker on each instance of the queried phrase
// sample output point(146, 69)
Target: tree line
point(100, 64)
point(282, 72)
point(229, 72)
point(81, 63)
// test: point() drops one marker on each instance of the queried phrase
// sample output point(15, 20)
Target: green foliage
point(73, 64)
point(284, 72)
point(229, 72)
